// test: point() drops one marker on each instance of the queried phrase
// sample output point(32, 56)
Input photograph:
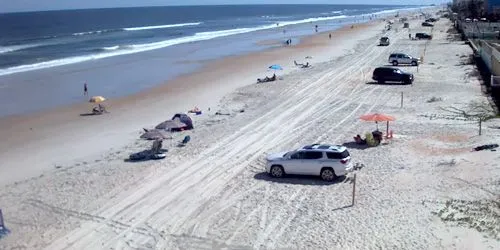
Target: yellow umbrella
point(97, 99)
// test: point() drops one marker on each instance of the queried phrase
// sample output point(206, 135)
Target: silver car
point(384, 41)
point(324, 160)
point(400, 58)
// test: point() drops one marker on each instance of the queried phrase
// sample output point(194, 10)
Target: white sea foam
point(111, 48)
point(136, 28)
point(6, 49)
point(90, 32)
point(161, 26)
point(397, 10)
point(136, 48)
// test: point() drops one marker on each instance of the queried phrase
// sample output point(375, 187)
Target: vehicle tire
point(327, 174)
point(395, 63)
point(414, 63)
point(277, 171)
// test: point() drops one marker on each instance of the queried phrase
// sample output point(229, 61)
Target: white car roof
point(325, 147)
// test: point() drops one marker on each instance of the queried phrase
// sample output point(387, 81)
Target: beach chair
point(186, 139)
point(157, 144)
point(370, 141)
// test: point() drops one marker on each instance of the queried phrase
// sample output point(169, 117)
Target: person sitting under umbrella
point(99, 109)
point(377, 135)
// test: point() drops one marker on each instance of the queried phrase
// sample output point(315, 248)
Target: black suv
point(423, 36)
point(389, 74)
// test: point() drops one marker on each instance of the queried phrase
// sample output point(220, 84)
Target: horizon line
point(199, 5)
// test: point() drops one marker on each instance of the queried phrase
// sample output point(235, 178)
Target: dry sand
point(425, 189)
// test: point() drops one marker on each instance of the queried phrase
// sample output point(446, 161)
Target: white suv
point(324, 160)
point(400, 58)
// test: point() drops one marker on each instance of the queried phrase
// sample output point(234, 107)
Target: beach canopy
point(171, 125)
point(155, 134)
point(276, 67)
point(377, 117)
point(97, 99)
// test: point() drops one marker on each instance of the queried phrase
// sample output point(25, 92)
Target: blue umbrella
point(276, 67)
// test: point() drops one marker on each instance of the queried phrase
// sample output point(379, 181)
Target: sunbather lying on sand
point(194, 110)
point(359, 140)
point(267, 79)
point(307, 65)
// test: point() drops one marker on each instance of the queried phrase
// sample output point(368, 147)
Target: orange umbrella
point(376, 117)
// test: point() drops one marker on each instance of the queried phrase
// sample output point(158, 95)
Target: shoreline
point(45, 132)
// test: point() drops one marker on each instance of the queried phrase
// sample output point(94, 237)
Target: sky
point(36, 5)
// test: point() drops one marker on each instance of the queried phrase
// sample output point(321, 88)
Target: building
point(492, 6)
point(461, 3)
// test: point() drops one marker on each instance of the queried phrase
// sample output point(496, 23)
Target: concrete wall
point(495, 63)
point(486, 53)
point(480, 30)
point(490, 56)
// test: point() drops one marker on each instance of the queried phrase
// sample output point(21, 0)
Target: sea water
point(45, 57)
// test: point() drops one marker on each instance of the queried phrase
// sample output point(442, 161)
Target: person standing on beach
point(85, 89)
point(330, 36)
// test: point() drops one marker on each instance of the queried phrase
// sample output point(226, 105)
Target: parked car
point(324, 160)
point(400, 58)
point(423, 36)
point(384, 41)
point(389, 74)
point(431, 20)
point(426, 24)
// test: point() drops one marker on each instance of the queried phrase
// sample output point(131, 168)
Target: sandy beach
point(65, 184)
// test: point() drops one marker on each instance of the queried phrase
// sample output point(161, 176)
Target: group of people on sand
point(376, 138)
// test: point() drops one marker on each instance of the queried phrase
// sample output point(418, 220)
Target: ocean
point(53, 38)
point(125, 50)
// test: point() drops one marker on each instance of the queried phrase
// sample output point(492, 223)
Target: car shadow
point(354, 145)
point(299, 179)
point(400, 65)
point(387, 83)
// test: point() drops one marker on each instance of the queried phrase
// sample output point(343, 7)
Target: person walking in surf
point(85, 89)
